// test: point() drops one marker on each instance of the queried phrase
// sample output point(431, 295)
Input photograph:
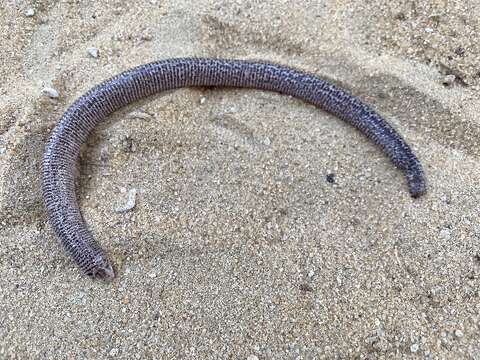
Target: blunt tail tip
point(417, 185)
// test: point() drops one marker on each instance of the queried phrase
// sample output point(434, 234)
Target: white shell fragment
point(130, 204)
point(50, 92)
point(93, 52)
point(30, 12)
point(141, 115)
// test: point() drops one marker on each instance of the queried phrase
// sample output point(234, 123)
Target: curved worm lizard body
point(62, 149)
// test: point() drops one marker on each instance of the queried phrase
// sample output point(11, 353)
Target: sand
point(238, 246)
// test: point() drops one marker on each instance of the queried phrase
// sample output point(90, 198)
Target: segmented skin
point(62, 149)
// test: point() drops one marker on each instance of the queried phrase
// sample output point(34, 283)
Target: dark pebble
point(330, 178)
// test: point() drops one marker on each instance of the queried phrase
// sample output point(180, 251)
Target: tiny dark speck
point(330, 178)
point(459, 51)
point(305, 288)
point(400, 16)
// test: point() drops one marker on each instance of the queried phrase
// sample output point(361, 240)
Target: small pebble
point(400, 16)
point(448, 80)
point(50, 92)
point(30, 12)
point(252, 357)
point(113, 352)
point(203, 99)
point(445, 234)
point(306, 288)
point(459, 51)
point(93, 52)
point(130, 204)
point(127, 144)
point(428, 30)
point(445, 199)
point(458, 333)
point(373, 339)
point(414, 348)
point(311, 274)
point(267, 141)
point(79, 298)
point(146, 37)
point(330, 178)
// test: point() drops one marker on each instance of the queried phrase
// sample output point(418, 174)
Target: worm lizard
point(63, 146)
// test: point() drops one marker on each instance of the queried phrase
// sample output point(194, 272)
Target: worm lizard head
point(102, 269)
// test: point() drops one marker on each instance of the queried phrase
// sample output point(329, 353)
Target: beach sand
point(238, 246)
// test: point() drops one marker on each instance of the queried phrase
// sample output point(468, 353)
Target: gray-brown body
point(77, 122)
